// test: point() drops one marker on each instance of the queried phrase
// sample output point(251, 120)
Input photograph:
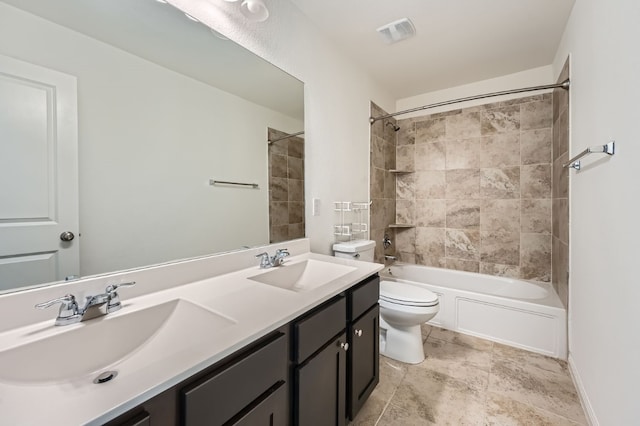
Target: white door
point(38, 175)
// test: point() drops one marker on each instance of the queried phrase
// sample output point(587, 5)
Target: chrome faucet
point(267, 261)
point(71, 313)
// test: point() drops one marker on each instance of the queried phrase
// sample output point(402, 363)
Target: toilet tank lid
point(354, 246)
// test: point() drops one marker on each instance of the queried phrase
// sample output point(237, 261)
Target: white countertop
point(253, 310)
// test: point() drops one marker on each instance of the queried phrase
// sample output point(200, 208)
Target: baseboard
point(584, 399)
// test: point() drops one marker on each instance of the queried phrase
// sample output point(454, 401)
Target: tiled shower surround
point(286, 188)
point(382, 158)
point(560, 193)
point(477, 189)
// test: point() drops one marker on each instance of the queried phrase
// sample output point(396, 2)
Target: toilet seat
point(407, 294)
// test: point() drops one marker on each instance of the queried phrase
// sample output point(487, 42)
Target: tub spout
point(392, 258)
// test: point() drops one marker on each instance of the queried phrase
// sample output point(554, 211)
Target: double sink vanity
point(214, 340)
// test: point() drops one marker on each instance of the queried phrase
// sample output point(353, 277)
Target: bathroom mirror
point(164, 107)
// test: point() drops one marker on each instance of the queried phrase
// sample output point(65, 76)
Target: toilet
point(403, 308)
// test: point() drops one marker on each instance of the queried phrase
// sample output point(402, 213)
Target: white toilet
point(403, 308)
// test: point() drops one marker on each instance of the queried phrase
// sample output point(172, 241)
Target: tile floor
point(471, 381)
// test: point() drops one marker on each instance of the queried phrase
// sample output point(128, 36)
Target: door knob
point(67, 236)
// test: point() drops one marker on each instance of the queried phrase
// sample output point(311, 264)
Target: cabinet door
point(363, 359)
point(272, 411)
point(321, 387)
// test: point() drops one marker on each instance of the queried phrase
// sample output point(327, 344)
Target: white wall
point(337, 102)
point(529, 78)
point(136, 118)
point(604, 291)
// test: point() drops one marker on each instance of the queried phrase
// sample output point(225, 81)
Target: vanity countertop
point(249, 310)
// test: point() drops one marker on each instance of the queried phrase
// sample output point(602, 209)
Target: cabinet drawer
point(217, 398)
point(318, 328)
point(364, 297)
point(272, 411)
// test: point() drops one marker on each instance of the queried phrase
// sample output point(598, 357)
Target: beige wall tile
point(561, 177)
point(500, 150)
point(500, 183)
point(430, 130)
point(508, 271)
point(430, 213)
point(430, 242)
point(430, 184)
point(278, 189)
point(296, 147)
point(405, 186)
point(389, 185)
point(377, 152)
point(536, 216)
point(535, 181)
point(536, 146)
point(437, 262)
point(278, 165)
point(279, 213)
point(296, 230)
point(389, 156)
point(535, 257)
point(561, 135)
point(295, 168)
point(462, 265)
point(296, 212)
point(463, 214)
point(463, 153)
point(500, 247)
point(463, 183)
point(500, 216)
point(536, 115)
point(430, 156)
point(278, 233)
point(405, 211)
point(389, 212)
point(405, 156)
point(501, 120)
point(377, 183)
point(463, 244)
point(405, 240)
point(296, 189)
point(407, 133)
point(463, 126)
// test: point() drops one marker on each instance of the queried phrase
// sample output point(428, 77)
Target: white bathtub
point(519, 313)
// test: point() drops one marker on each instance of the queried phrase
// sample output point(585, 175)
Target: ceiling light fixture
point(254, 10)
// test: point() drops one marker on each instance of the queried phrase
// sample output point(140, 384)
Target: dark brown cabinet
point(363, 334)
point(317, 370)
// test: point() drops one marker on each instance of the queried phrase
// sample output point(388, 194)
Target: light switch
point(315, 207)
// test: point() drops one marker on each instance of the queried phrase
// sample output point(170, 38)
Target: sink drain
point(105, 377)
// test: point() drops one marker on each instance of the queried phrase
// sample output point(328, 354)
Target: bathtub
point(518, 313)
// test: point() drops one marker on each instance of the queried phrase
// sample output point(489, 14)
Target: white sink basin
point(90, 347)
point(303, 276)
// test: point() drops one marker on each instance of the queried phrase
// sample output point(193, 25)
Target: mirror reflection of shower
point(286, 185)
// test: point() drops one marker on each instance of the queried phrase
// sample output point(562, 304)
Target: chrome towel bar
point(608, 149)
point(223, 182)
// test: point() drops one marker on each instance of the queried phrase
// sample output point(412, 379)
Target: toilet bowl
point(403, 308)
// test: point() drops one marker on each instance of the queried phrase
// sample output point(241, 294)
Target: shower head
point(395, 128)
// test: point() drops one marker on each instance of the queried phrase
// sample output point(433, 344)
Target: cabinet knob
point(344, 346)
point(357, 332)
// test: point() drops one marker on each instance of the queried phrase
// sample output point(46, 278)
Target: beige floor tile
point(436, 398)
point(530, 358)
point(371, 410)
point(460, 339)
point(460, 362)
point(395, 416)
point(509, 412)
point(426, 330)
point(538, 387)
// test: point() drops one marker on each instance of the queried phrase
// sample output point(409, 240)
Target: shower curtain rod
point(270, 141)
point(564, 85)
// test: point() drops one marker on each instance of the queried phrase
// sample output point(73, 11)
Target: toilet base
point(403, 344)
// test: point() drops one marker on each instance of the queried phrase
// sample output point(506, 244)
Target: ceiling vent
point(397, 30)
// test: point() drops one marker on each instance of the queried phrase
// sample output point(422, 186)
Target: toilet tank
point(356, 249)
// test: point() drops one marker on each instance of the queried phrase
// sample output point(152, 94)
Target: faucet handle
point(113, 299)
point(265, 260)
point(68, 308)
point(282, 252)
